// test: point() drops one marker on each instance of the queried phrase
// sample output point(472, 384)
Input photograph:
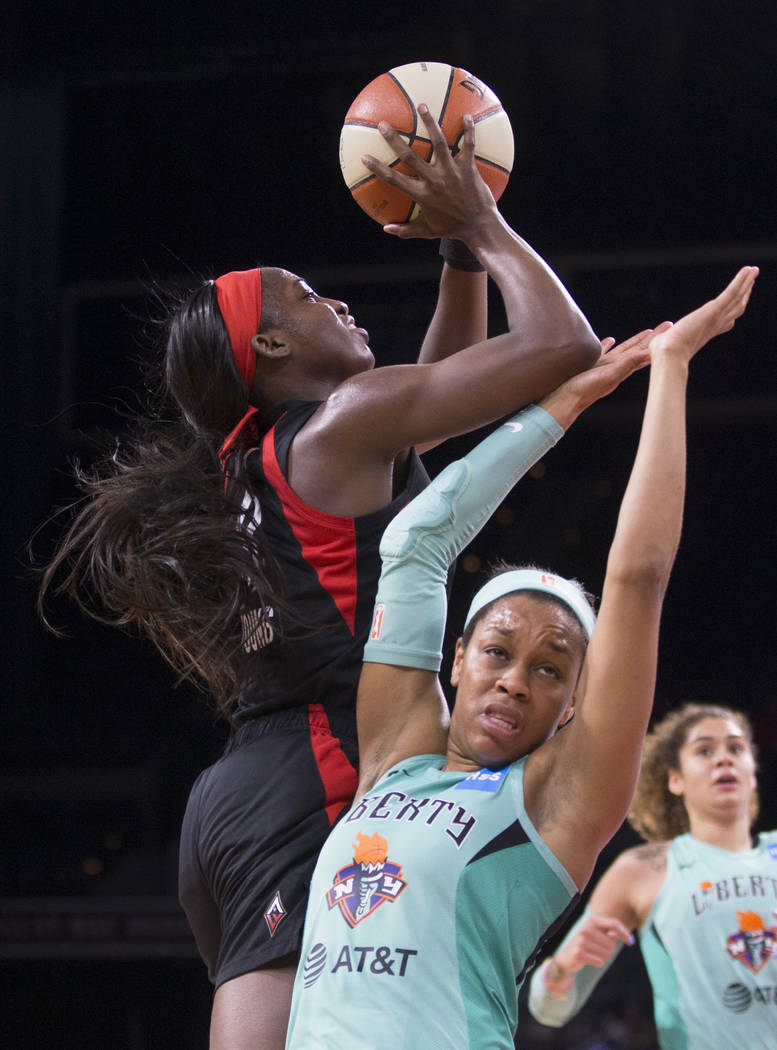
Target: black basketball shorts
point(253, 827)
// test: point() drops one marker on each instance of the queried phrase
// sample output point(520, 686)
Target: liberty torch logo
point(360, 888)
point(754, 943)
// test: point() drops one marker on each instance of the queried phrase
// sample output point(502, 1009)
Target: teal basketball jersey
point(430, 900)
point(710, 947)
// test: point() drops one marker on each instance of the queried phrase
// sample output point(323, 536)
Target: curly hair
point(656, 813)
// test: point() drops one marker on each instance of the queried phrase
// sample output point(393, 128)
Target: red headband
point(239, 295)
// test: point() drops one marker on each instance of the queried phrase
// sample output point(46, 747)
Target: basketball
point(450, 93)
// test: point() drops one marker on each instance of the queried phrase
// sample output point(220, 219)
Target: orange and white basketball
point(450, 93)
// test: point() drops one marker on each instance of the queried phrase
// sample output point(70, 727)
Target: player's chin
point(504, 753)
point(490, 755)
point(366, 359)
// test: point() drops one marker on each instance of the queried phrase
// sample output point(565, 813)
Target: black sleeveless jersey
point(331, 567)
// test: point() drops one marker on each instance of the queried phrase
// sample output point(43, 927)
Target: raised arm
point(455, 202)
point(374, 415)
point(401, 709)
point(579, 784)
point(461, 314)
point(460, 317)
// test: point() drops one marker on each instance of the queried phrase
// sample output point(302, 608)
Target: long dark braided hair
point(156, 542)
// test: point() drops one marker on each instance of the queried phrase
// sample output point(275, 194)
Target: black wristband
point(458, 255)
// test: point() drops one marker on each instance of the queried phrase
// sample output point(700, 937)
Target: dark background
point(149, 144)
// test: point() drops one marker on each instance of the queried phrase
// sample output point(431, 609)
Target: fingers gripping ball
point(450, 93)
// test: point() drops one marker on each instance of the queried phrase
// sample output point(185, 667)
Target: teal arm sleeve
point(554, 1012)
point(424, 538)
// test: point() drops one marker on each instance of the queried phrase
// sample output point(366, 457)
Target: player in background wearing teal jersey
point(469, 838)
point(702, 895)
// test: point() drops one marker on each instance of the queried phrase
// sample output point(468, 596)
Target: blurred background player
point(702, 895)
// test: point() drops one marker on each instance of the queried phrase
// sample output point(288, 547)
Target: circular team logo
point(737, 998)
point(314, 964)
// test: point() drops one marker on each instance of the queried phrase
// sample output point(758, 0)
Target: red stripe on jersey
point(247, 431)
point(328, 541)
point(337, 774)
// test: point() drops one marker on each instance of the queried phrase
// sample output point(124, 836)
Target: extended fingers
point(616, 930)
point(720, 314)
point(640, 339)
point(732, 301)
point(401, 147)
point(434, 131)
point(440, 145)
point(738, 291)
point(404, 153)
point(467, 140)
point(627, 356)
point(742, 283)
point(603, 933)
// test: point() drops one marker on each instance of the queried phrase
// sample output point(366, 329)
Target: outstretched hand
point(616, 363)
point(679, 341)
point(452, 196)
point(688, 335)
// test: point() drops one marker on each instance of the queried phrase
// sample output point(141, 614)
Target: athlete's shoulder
point(650, 856)
point(638, 865)
point(631, 884)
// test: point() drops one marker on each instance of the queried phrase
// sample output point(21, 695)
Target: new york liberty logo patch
point(754, 943)
point(361, 888)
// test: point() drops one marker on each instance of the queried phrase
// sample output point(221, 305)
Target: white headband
point(534, 580)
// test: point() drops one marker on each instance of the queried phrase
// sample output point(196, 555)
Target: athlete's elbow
point(575, 355)
point(585, 350)
point(645, 571)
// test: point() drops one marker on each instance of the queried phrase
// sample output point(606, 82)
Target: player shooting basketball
point(273, 389)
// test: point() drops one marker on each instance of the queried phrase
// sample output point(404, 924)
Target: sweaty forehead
point(524, 610)
point(283, 279)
